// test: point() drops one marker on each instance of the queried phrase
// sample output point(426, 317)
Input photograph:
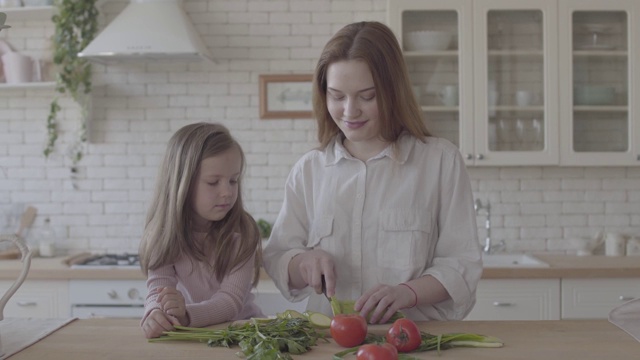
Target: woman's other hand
point(157, 322)
point(384, 301)
point(173, 304)
point(308, 267)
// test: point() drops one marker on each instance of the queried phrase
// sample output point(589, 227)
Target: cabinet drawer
point(517, 300)
point(38, 299)
point(595, 298)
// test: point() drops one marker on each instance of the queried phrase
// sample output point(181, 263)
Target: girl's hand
point(157, 322)
point(173, 304)
point(384, 300)
point(308, 267)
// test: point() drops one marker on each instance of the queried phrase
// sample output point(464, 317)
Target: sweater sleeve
point(225, 304)
point(164, 276)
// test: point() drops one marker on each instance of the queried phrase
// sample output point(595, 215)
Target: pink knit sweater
point(208, 301)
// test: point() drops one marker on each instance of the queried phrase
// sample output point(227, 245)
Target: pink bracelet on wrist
point(414, 294)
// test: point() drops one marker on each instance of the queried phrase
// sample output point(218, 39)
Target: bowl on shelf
point(593, 95)
point(427, 40)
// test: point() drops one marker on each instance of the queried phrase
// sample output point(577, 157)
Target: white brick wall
point(138, 107)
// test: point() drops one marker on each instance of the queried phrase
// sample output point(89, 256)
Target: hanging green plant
point(76, 24)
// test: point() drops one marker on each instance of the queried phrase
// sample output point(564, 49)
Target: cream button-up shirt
point(403, 214)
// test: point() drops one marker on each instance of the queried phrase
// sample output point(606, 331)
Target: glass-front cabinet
point(518, 82)
point(599, 57)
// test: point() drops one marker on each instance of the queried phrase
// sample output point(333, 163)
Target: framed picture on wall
point(286, 96)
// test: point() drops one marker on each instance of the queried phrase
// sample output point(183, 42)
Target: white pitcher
point(19, 68)
point(26, 264)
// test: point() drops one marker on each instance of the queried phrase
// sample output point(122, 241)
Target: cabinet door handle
point(27, 303)
point(502, 304)
point(112, 294)
point(626, 298)
point(470, 157)
point(480, 157)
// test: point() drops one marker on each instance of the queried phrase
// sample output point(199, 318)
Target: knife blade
point(324, 287)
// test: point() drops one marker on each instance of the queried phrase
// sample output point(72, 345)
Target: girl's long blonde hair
point(168, 233)
point(373, 43)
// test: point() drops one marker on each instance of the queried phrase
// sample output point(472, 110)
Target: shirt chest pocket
point(321, 234)
point(404, 238)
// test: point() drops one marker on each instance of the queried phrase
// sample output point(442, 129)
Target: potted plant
point(76, 24)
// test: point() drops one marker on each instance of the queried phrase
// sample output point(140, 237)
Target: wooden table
point(544, 340)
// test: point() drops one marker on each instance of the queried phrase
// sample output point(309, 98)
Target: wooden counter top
point(567, 266)
point(548, 340)
point(560, 266)
point(56, 269)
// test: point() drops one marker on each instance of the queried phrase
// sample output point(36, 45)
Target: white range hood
point(148, 30)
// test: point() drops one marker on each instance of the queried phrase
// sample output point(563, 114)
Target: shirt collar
point(400, 152)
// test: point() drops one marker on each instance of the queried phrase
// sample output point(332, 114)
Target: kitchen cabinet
point(38, 299)
point(599, 54)
point(516, 299)
point(515, 65)
point(595, 298)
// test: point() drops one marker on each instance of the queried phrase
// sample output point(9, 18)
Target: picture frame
point(286, 96)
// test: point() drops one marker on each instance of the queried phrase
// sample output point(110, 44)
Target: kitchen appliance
point(148, 30)
point(107, 298)
point(108, 261)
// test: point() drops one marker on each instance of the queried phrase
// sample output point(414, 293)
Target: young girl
point(200, 249)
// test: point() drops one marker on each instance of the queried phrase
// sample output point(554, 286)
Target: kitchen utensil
point(324, 287)
point(3, 18)
point(26, 264)
point(449, 95)
point(585, 246)
point(614, 244)
point(26, 220)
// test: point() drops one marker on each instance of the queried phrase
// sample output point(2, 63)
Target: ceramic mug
point(525, 97)
point(449, 95)
point(633, 246)
point(614, 244)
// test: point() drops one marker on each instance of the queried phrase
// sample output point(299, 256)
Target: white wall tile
point(139, 106)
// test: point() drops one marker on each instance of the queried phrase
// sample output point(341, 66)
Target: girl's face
point(215, 188)
point(351, 100)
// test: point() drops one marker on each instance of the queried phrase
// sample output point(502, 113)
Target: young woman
point(200, 249)
point(382, 210)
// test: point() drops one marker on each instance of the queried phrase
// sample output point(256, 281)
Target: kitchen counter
point(123, 339)
point(560, 266)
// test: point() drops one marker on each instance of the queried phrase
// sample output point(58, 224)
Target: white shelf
point(601, 108)
point(439, 108)
point(620, 53)
point(29, 85)
point(436, 53)
point(27, 13)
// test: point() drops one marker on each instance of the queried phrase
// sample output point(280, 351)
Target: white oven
point(107, 298)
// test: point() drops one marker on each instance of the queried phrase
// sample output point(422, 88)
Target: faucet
point(487, 249)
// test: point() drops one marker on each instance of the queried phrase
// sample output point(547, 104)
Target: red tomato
point(404, 335)
point(348, 330)
point(377, 352)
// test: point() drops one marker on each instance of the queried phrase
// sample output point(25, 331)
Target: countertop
point(549, 340)
point(560, 266)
